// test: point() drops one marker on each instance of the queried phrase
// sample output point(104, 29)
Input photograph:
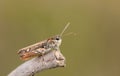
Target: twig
point(53, 59)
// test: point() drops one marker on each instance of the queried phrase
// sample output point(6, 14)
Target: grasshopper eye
point(57, 38)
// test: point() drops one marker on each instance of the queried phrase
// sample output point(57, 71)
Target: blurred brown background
point(93, 51)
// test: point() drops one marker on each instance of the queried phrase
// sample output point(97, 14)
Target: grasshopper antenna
point(65, 29)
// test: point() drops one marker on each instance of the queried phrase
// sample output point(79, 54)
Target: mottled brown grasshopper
point(42, 47)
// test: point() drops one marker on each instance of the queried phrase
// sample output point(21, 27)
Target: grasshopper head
point(54, 42)
point(57, 39)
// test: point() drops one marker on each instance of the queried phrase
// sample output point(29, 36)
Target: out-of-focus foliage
point(93, 49)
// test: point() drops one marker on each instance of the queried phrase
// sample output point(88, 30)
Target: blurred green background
point(93, 51)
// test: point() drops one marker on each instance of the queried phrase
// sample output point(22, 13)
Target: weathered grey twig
point(53, 59)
